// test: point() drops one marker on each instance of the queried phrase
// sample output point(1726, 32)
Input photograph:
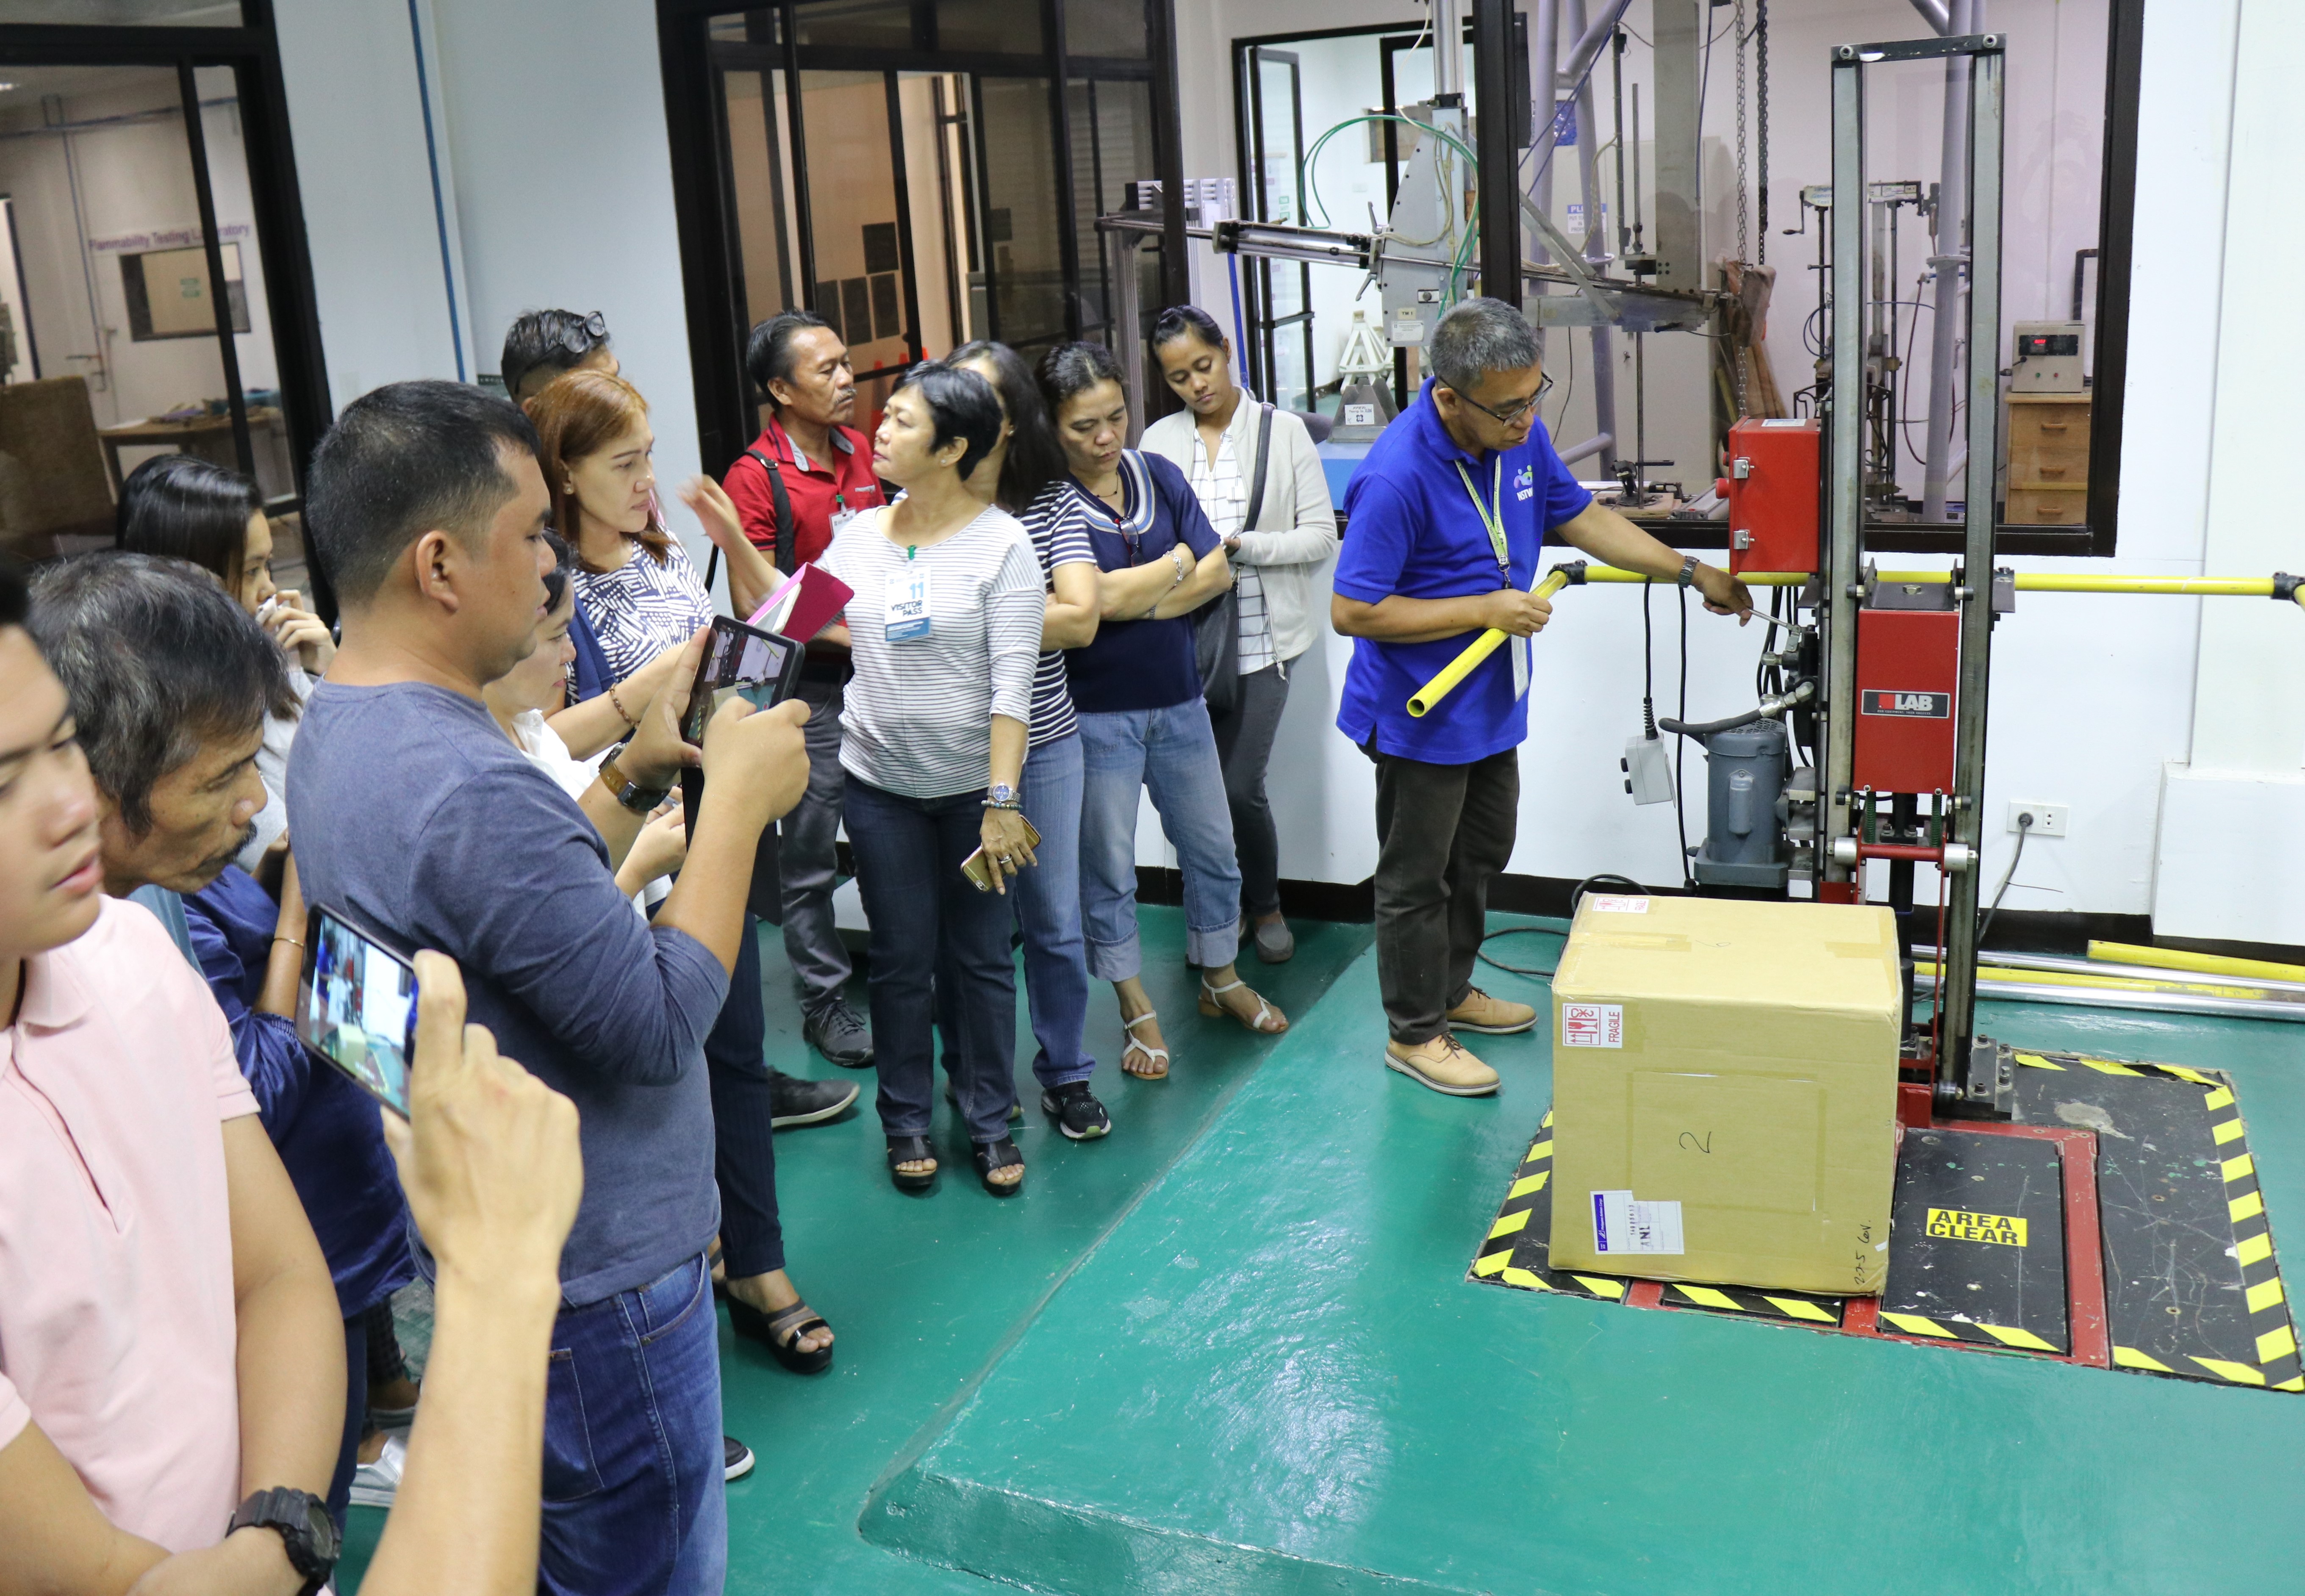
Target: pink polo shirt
point(117, 1335)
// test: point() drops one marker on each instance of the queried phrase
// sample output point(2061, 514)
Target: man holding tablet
point(1446, 519)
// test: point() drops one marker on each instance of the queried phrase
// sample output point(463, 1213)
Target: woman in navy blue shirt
point(1143, 724)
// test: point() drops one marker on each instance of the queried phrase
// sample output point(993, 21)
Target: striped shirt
point(917, 716)
point(642, 608)
point(1060, 538)
point(1224, 500)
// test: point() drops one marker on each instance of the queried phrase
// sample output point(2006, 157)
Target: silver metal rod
point(1970, 705)
point(1946, 261)
point(1934, 13)
point(1845, 496)
point(1447, 47)
point(1596, 248)
point(2174, 1003)
point(2049, 963)
point(1590, 41)
point(1544, 47)
point(1600, 444)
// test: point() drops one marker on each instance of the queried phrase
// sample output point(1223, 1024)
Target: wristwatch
point(629, 792)
point(1001, 795)
point(1687, 569)
point(302, 1522)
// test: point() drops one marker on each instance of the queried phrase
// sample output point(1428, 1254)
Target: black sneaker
point(836, 1031)
point(736, 1458)
point(794, 1101)
point(1077, 1113)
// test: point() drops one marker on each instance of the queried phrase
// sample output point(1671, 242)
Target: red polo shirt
point(816, 491)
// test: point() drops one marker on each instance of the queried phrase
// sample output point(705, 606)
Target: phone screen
point(356, 1007)
point(738, 659)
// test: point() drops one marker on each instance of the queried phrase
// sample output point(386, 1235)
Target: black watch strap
point(301, 1521)
point(1687, 569)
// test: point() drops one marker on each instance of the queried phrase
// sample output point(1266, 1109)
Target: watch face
point(320, 1528)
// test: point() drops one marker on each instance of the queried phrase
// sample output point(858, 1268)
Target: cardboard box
point(1725, 1078)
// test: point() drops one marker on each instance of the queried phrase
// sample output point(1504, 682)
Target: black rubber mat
point(1976, 1241)
point(1518, 1250)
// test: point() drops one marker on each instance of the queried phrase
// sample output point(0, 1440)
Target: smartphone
point(740, 660)
point(356, 1007)
point(980, 873)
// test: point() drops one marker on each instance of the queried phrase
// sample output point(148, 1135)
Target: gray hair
point(157, 659)
point(1478, 337)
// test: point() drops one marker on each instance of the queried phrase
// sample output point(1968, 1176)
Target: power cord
point(2025, 824)
point(1575, 894)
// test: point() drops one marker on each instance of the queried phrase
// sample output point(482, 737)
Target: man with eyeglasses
point(1446, 519)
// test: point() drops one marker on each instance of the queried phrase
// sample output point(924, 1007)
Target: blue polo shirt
point(1412, 529)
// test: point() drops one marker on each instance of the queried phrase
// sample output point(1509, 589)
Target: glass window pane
point(854, 232)
point(1020, 225)
point(250, 305)
point(102, 210)
point(1109, 28)
point(933, 152)
point(856, 24)
point(125, 13)
point(758, 175)
point(1000, 27)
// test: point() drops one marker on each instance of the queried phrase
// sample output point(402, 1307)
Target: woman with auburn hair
point(644, 600)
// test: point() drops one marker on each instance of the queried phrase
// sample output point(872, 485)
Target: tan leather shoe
point(1491, 1016)
point(1444, 1065)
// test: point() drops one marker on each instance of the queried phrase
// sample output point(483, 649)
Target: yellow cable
point(2208, 963)
point(2120, 983)
point(1421, 702)
point(2028, 581)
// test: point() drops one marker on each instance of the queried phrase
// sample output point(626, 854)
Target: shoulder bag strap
point(787, 556)
point(1256, 476)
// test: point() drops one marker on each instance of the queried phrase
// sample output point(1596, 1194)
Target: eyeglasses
point(1510, 418)
point(581, 335)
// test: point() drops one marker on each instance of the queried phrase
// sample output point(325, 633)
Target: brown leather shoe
point(1491, 1016)
point(1444, 1065)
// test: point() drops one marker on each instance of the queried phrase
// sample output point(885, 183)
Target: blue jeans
point(1048, 914)
point(633, 1467)
point(927, 916)
point(1172, 752)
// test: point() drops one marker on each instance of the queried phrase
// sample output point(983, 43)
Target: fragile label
point(1955, 1224)
point(1622, 1223)
point(1592, 1024)
point(1919, 706)
point(1603, 904)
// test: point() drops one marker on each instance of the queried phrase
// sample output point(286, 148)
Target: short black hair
point(558, 339)
point(768, 350)
point(189, 509)
point(962, 405)
point(1034, 458)
point(564, 564)
point(402, 460)
point(157, 659)
point(1185, 321)
point(15, 600)
point(1073, 369)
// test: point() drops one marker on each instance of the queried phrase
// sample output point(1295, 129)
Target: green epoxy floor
point(1232, 1348)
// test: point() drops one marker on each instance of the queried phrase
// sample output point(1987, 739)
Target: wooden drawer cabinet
point(2046, 469)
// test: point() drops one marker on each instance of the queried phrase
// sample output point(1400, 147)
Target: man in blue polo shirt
point(1447, 518)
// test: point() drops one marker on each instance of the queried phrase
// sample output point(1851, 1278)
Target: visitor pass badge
point(908, 618)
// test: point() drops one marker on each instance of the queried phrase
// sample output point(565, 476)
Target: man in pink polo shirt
point(169, 1338)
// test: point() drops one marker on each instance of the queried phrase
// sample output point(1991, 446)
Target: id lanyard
point(1492, 522)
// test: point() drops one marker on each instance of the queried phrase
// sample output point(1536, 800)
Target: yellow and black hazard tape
point(1799, 1307)
point(2278, 1365)
point(1964, 1330)
point(1511, 1254)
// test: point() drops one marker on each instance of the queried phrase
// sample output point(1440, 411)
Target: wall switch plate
point(1648, 766)
point(2049, 819)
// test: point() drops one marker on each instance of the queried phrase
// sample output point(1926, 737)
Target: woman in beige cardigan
point(1278, 546)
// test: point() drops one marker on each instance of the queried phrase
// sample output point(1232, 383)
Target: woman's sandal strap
point(1150, 1014)
point(782, 1320)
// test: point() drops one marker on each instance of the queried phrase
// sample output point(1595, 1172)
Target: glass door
point(1282, 363)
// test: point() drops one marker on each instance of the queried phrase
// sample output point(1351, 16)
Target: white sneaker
point(374, 1485)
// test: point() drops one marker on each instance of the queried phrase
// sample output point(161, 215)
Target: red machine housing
point(1772, 496)
point(1907, 669)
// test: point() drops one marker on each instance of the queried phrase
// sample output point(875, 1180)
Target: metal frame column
point(1500, 173)
point(1844, 410)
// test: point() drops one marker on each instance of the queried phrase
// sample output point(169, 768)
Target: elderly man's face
point(203, 812)
point(1499, 411)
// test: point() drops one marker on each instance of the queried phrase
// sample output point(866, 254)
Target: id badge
point(1520, 647)
point(841, 518)
point(908, 618)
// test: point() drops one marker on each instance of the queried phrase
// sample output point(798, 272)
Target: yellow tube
point(2209, 963)
point(1421, 702)
point(2028, 581)
point(2120, 983)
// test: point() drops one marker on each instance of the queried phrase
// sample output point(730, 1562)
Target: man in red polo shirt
point(802, 477)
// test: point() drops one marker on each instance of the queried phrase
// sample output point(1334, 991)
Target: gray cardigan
point(1295, 529)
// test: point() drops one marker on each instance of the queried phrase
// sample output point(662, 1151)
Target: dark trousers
point(927, 918)
point(1243, 749)
point(808, 860)
point(1443, 834)
point(744, 1115)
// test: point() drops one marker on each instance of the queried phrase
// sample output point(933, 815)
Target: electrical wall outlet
point(2049, 819)
point(1648, 766)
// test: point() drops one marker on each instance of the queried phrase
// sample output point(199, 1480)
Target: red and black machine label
point(1922, 705)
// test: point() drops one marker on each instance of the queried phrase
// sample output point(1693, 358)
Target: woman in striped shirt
point(945, 634)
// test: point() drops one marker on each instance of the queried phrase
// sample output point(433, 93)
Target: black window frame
point(712, 280)
point(2109, 362)
point(252, 51)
